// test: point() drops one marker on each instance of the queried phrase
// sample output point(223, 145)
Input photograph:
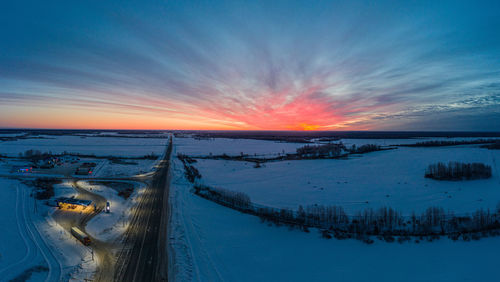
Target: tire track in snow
point(40, 243)
point(34, 236)
point(55, 266)
point(22, 231)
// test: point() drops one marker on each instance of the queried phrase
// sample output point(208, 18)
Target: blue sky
point(324, 65)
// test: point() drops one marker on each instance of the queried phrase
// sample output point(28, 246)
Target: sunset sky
point(271, 65)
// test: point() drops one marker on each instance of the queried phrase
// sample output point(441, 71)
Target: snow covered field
point(100, 146)
point(214, 243)
point(32, 244)
point(219, 146)
point(110, 169)
point(210, 242)
point(393, 178)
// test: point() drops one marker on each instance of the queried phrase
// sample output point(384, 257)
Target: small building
point(72, 202)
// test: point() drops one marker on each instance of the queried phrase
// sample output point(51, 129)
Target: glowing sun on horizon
point(304, 126)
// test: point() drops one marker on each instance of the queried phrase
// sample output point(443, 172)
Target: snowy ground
point(32, 245)
point(104, 168)
point(111, 169)
point(109, 226)
point(219, 146)
point(392, 178)
point(100, 146)
point(32, 239)
point(210, 242)
point(214, 243)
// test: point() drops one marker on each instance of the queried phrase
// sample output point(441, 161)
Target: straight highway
point(144, 255)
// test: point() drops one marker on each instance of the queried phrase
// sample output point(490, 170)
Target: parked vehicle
point(82, 237)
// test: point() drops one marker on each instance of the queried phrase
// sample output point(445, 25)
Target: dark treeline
point(44, 186)
point(384, 223)
point(20, 137)
point(324, 151)
point(287, 138)
point(120, 135)
point(35, 155)
point(232, 199)
point(329, 150)
point(494, 146)
point(186, 158)
point(441, 143)
point(458, 171)
point(309, 135)
point(150, 156)
point(367, 148)
point(190, 171)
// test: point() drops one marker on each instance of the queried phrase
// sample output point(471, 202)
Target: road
point(144, 255)
point(103, 251)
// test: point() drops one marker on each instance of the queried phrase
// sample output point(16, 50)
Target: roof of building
point(73, 201)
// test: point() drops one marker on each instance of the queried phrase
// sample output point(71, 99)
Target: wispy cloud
point(261, 65)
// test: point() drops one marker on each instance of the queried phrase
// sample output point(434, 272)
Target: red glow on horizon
point(286, 110)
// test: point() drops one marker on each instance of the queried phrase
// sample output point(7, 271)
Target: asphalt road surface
point(144, 255)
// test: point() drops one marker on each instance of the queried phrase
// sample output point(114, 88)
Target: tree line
point(494, 146)
point(36, 155)
point(366, 148)
point(324, 151)
point(441, 143)
point(321, 151)
point(458, 171)
point(384, 223)
point(190, 171)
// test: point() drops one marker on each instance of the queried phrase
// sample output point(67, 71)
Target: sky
point(250, 65)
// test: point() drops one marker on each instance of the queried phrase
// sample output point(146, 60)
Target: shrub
point(45, 187)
